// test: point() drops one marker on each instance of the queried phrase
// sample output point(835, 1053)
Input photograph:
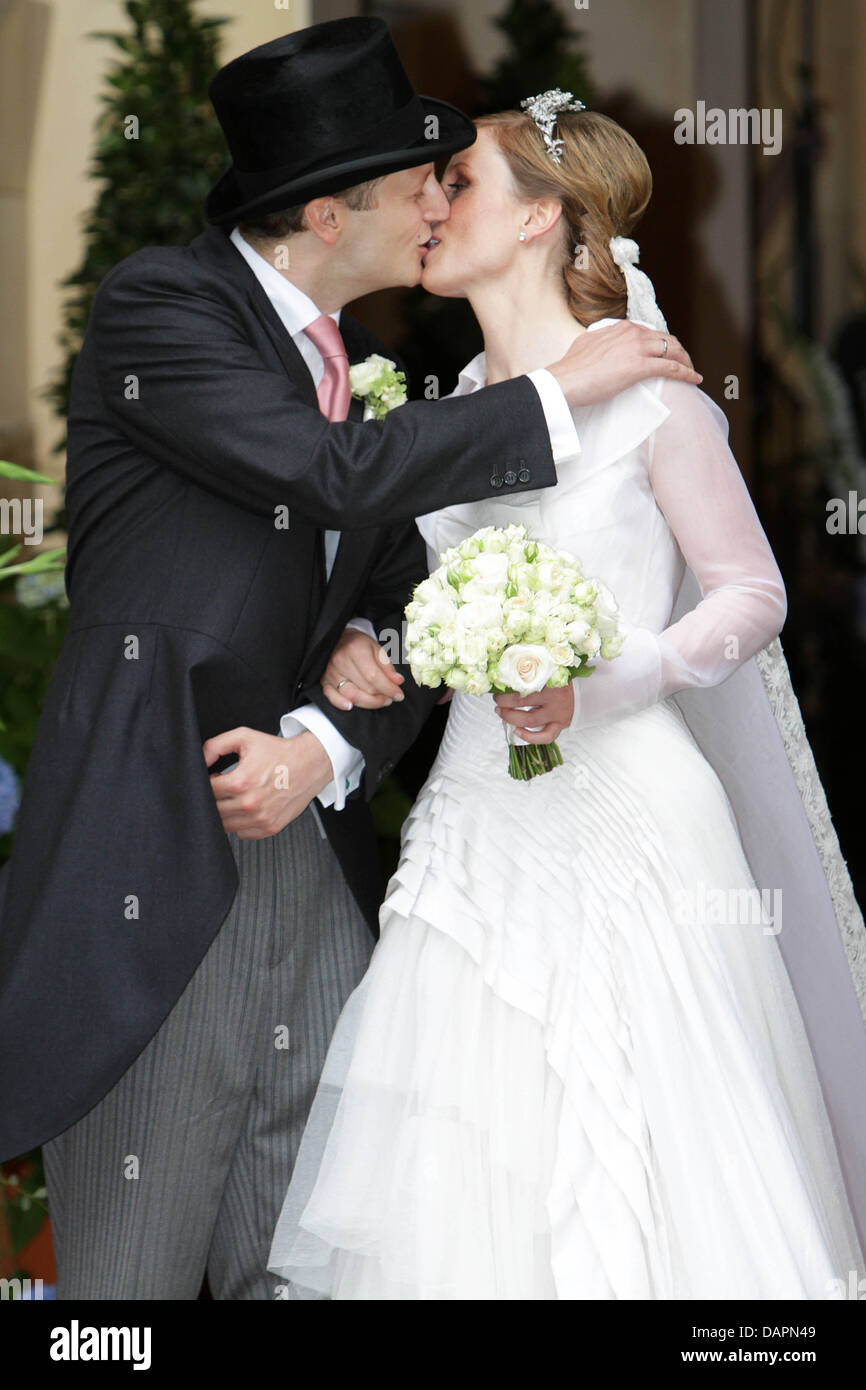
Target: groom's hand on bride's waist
point(273, 781)
point(600, 364)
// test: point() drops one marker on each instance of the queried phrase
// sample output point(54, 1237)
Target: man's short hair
point(272, 226)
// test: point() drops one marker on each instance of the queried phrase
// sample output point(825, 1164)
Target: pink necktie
point(333, 392)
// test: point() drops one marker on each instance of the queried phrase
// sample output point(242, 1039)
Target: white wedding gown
point(568, 1073)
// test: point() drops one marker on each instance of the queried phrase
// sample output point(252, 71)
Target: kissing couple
point(542, 1080)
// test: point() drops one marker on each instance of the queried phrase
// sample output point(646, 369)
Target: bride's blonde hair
point(603, 183)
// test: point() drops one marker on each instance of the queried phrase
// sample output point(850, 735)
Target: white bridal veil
point(751, 731)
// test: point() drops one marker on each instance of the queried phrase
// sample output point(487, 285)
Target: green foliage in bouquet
point(158, 150)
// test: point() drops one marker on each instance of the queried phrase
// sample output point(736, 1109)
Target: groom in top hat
point(167, 990)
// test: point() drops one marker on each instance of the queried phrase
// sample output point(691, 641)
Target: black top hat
point(320, 110)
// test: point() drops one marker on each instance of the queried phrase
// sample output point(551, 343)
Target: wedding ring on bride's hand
point(664, 351)
point(344, 681)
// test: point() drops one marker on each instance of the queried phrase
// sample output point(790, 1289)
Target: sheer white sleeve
point(700, 491)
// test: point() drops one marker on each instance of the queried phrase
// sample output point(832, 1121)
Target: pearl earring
point(522, 236)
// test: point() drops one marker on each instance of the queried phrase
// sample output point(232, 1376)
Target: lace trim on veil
point(786, 711)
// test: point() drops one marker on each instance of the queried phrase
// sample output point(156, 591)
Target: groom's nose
point(436, 205)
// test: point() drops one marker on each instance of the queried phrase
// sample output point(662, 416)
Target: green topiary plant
point(543, 52)
point(158, 149)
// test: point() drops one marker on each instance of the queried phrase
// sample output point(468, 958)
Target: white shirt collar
point(295, 308)
point(474, 374)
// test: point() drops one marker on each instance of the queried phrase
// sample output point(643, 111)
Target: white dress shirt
point(297, 311)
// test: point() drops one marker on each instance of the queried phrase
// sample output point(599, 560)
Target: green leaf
point(47, 562)
point(150, 191)
point(24, 475)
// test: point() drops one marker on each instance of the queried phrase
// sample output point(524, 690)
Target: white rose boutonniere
point(378, 384)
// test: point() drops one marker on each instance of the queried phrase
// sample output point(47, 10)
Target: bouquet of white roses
point(506, 613)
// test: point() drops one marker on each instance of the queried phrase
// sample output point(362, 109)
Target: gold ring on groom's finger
point(344, 681)
point(665, 347)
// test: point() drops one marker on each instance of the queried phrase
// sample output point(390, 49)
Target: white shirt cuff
point(364, 625)
point(564, 442)
point(347, 763)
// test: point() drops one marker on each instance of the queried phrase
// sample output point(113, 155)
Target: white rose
point(439, 612)
point(583, 637)
point(494, 541)
point(577, 632)
point(362, 377)
point(472, 648)
point(492, 566)
point(428, 589)
point(372, 375)
point(516, 622)
point(521, 601)
point(478, 684)
point(563, 654)
point(550, 574)
point(425, 673)
point(525, 668)
point(525, 577)
point(478, 588)
point(456, 678)
point(482, 612)
point(554, 632)
point(584, 592)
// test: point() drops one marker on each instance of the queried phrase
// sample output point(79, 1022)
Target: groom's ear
point(326, 217)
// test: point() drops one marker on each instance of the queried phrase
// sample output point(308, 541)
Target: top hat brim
point(226, 202)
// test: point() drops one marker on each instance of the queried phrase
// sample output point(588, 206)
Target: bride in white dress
point(589, 1060)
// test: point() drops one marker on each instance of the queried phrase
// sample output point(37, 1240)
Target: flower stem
point(528, 760)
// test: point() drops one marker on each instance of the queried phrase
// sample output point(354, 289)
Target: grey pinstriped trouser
point(209, 1116)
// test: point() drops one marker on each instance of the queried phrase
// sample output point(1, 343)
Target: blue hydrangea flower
point(38, 590)
point(10, 797)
